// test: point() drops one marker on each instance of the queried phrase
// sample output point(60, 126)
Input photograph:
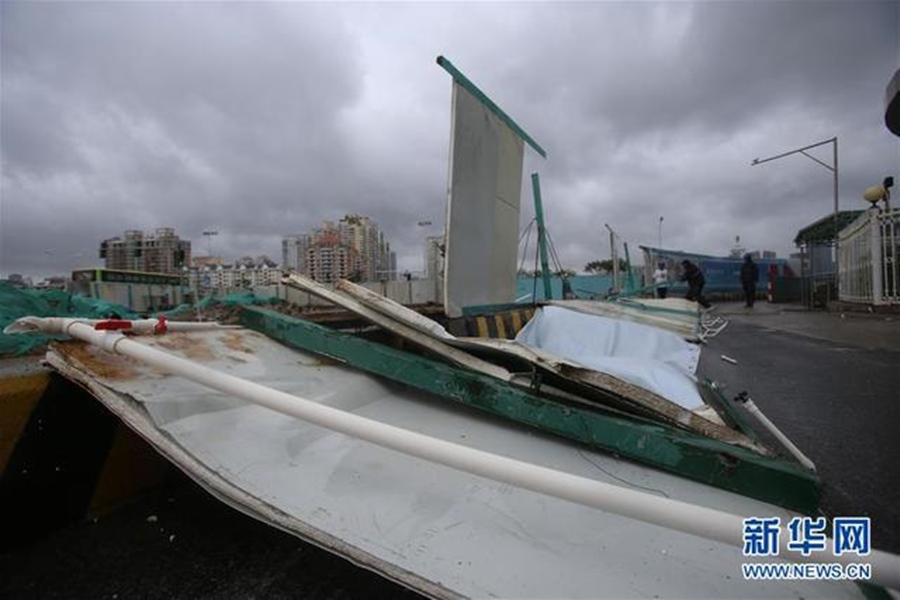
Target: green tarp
point(18, 302)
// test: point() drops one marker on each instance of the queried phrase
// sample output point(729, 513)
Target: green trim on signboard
point(482, 97)
point(733, 417)
point(692, 456)
point(630, 270)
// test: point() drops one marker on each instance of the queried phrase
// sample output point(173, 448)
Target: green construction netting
point(823, 230)
point(241, 299)
point(18, 302)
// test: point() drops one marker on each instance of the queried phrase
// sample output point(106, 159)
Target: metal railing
point(868, 259)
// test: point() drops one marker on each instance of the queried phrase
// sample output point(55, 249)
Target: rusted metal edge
point(133, 415)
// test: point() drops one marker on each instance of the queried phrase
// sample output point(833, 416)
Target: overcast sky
point(262, 119)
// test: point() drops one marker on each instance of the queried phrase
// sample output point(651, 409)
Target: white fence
point(868, 259)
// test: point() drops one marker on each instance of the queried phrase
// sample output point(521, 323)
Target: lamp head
point(874, 194)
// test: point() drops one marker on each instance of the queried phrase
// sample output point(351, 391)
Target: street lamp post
point(833, 168)
point(425, 224)
point(659, 245)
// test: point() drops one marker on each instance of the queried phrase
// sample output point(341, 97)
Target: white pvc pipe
point(794, 450)
point(665, 512)
point(138, 326)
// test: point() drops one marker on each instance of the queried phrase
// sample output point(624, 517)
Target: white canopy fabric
point(655, 359)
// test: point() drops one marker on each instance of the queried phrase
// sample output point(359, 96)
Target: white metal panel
point(483, 207)
point(431, 527)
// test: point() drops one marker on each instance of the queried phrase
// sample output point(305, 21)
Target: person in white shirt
point(661, 280)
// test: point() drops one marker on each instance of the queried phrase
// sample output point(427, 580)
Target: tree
point(604, 266)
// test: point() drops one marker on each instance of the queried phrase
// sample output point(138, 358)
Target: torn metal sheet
point(647, 398)
point(702, 419)
point(413, 334)
point(393, 309)
point(433, 528)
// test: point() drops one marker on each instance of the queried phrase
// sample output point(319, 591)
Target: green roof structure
point(823, 230)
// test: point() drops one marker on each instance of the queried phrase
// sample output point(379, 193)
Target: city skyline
point(355, 239)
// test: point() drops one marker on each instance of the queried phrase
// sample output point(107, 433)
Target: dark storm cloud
point(143, 115)
point(264, 119)
point(669, 127)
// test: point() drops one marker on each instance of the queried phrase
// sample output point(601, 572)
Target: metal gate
point(868, 258)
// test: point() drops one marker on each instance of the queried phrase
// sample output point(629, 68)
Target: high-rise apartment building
point(327, 259)
point(353, 248)
point(293, 252)
point(160, 252)
point(362, 234)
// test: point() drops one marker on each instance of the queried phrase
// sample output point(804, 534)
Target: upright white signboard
point(485, 181)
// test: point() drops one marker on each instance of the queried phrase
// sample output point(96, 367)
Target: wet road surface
point(832, 385)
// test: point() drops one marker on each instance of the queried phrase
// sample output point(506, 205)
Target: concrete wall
point(140, 297)
point(150, 298)
point(418, 291)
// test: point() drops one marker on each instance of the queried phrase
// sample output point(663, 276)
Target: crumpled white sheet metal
point(672, 314)
point(647, 343)
point(433, 528)
point(650, 357)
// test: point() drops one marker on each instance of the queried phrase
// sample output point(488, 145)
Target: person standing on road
point(695, 280)
point(749, 278)
point(661, 280)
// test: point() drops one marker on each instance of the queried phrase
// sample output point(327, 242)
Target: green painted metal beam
point(542, 235)
point(630, 272)
point(483, 98)
point(680, 452)
point(712, 395)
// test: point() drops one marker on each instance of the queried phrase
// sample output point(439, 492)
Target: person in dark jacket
point(749, 278)
point(695, 280)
